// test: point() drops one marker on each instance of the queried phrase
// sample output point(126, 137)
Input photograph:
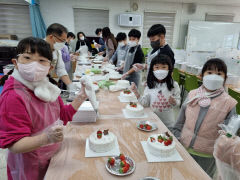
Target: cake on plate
point(161, 145)
point(128, 95)
point(135, 109)
point(102, 141)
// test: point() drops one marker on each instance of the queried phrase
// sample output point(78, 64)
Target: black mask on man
point(155, 44)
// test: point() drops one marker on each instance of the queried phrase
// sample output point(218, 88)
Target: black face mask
point(155, 44)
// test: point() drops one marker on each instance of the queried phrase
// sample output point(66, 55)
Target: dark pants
point(134, 77)
point(207, 164)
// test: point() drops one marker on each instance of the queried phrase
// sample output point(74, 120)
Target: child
point(161, 93)
point(205, 108)
point(30, 106)
point(119, 55)
point(134, 55)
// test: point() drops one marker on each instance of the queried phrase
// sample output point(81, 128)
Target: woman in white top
point(162, 93)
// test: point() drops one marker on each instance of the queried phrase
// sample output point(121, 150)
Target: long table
point(70, 164)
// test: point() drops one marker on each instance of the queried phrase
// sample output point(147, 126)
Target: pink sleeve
point(15, 122)
point(66, 111)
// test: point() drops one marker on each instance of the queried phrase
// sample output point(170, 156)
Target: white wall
point(61, 11)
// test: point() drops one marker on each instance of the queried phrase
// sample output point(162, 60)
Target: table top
point(70, 164)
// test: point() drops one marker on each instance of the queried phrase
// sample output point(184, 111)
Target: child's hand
point(172, 101)
point(135, 90)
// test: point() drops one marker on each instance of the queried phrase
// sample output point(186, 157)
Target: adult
point(82, 41)
point(101, 44)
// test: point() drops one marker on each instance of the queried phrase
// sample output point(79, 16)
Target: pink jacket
point(22, 114)
point(208, 132)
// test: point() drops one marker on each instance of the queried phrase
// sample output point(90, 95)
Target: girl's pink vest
point(208, 132)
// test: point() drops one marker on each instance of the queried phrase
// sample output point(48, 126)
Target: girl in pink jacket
point(30, 107)
point(205, 108)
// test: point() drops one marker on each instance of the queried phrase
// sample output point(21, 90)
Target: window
point(218, 17)
point(166, 19)
point(88, 20)
point(15, 20)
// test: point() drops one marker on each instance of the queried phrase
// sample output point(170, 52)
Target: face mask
point(58, 45)
point(213, 82)
point(132, 43)
point(121, 44)
point(71, 40)
point(82, 38)
point(33, 71)
point(155, 44)
point(160, 74)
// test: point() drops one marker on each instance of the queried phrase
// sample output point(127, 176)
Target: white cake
point(157, 148)
point(128, 97)
point(103, 144)
point(135, 111)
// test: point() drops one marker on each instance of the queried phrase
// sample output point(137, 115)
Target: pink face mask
point(33, 71)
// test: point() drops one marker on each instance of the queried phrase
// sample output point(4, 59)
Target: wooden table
point(70, 164)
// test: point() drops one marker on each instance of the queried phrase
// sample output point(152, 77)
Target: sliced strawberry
point(127, 165)
point(99, 134)
point(160, 140)
point(122, 157)
point(149, 127)
point(152, 139)
point(111, 161)
point(141, 126)
point(123, 170)
point(123, 163)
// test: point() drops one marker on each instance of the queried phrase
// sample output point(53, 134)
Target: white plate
point(124, 100)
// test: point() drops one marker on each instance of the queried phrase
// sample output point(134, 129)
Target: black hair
point(57, 29)
point(79, 34)
point(106, 33)
point(215, 64)
point(70, 34)
point(152, 81)
point(134, 33)
point(98, 30)
point(121, 36)
point(32, 45)
point(156, 29)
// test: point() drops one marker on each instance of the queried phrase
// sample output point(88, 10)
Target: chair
point(191, 82)
point(236, 96)
point(176, 75)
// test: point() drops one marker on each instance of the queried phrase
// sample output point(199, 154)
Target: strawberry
point(123, 163)
point(160, 140)
point(127, 165)
point(149, 127)
point(111, 161)
point(123, 170)
point(99, 134)
point(141, 126)
point(152, 139)
point(122, 157)
point(145, 125)
point(166, 143)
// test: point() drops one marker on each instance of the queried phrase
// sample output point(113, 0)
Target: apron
point(121, 55)
point(150, 58)
point(34, 164)
point(135, 76)
point(54, 64)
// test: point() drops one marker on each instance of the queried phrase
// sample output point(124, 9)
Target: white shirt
point(60, 66)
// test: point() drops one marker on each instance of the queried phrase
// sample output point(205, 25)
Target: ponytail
point(5, 77)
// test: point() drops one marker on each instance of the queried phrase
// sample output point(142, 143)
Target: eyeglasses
point(27, 58)
point(62, 40)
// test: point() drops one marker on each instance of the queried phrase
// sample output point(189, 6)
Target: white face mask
point(33, 71)
point(121, 44)
point(58, 45)
point(160, 74)
point(71, 40)
point(132, 43)
point(82, 38)
point(213, 82)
